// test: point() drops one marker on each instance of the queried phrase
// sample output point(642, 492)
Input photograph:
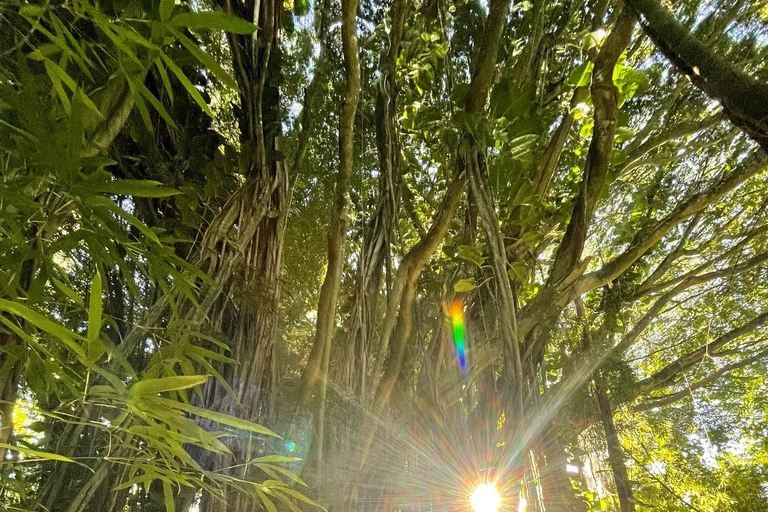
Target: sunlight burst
point(485, 498)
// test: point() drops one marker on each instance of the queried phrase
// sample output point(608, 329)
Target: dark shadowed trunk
point(744, 99)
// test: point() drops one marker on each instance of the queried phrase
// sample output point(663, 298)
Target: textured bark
point(319, 358)
point(605, 100)
point(417, 257)
point(744, 99)
point(329, 291)
point(243, 249)
point(513, 369)
point(406, 277)
point(615, 452)
point(377, 233)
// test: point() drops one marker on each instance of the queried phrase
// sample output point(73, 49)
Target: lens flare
point(485, 498)
point(457, 318)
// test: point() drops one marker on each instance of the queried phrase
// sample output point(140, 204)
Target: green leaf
point(471, 254)
point(300, 496)
point(55, 70)
point(518, 271)
point(226, 419)
point(94, 347)
point(151, 387)
point(168, 495)
point(464, 285)
point(166, 9)
point(205, 59)
point(43, 323)
point(164, 77)
point(132, 220)
point(136, 188)
point(581, 75)
point(266, 501)
point(272, 471)
point(140, 104)
point(191, 89)
point(276, 459)
point(213, 20)
point(68, 291)
point(300, 7)
point(156, 104)
point(35, 453)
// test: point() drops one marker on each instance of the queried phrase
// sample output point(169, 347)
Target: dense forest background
point(282, 255)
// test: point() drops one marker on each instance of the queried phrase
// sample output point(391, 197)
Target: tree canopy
point(365, 256)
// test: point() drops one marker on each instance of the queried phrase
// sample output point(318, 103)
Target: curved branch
point(667, 376)
point(688, 391)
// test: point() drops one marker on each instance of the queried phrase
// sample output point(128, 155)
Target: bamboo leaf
point(213, 20)
point(205, 59)
point(43, 323)
point(191, 89)
point(165, 384)
point(94, 347)
point(140, 104)
point(156, 104)
point(226, 419)
point(168, 495)
point(164, 77)
point(300, 496)
point(276, 458)
point(68, 291)
point(166, 9)
point(35, 453)
point(136, 188)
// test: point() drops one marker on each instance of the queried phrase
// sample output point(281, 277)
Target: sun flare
point(485, 498)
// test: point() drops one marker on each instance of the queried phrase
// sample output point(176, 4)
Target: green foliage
point(83, 266)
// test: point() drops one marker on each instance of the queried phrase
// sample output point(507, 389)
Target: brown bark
point(243, 249)
point(329, 291)
point(605, 101)
point(319, 358)
point(615, 452)
point(744, 99)
point(414, 261)
point(513, 370)
point(377, 233)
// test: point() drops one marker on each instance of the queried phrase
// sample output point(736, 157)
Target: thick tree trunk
point(744, 99)
point(377, 233)
point(319, 359)
point(243, 250)
point(615, 452)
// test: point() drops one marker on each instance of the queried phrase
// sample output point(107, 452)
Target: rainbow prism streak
point(457, 318)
